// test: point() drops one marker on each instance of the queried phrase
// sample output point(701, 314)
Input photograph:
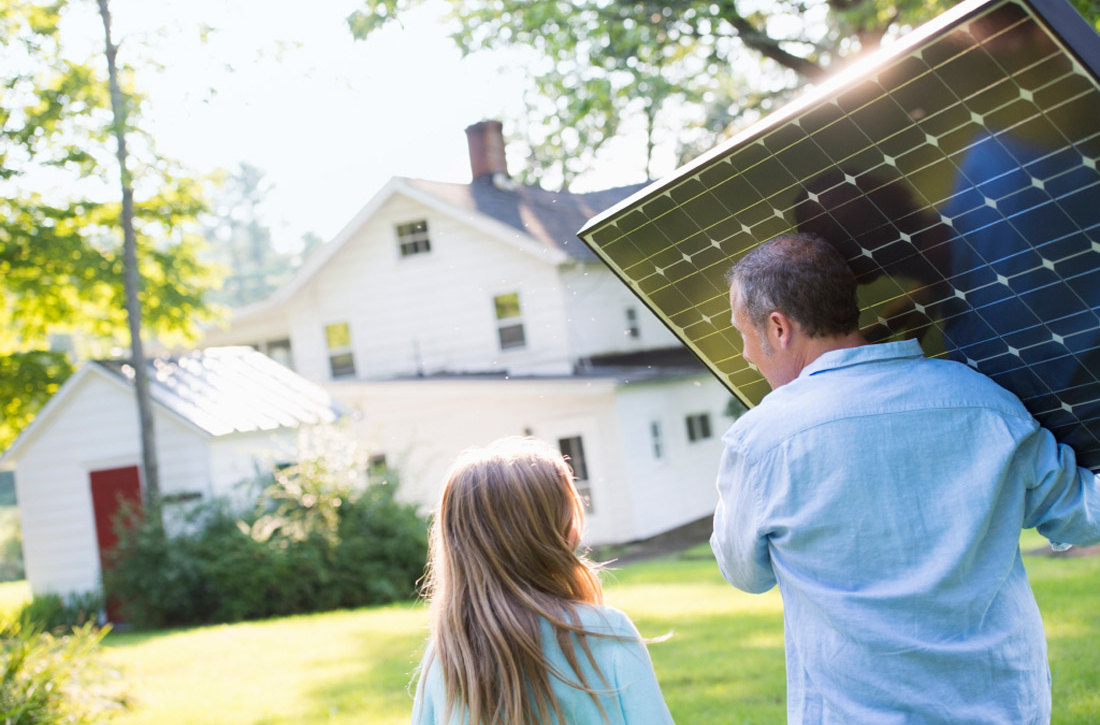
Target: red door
point(110, 488)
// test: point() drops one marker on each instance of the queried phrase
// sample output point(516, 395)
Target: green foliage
point(52, 612)
point(55, 680)
point(701, 67)
point(7, 488)
point(240, 243)
point(27, 381)
point(317, 540)
point(11, 545)
point(61, 270)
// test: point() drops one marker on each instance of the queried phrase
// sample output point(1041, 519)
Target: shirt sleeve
point(1062, 499)
point(738, 542)
point(640, 698)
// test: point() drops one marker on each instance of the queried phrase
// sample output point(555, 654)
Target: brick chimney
point(487, 162)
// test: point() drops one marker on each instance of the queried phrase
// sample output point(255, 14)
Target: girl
point(518, 631)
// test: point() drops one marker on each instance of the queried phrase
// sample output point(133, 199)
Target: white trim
point(57, 401)
point(398, 185)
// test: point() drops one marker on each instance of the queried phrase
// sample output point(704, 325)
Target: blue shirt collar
point(846, 357)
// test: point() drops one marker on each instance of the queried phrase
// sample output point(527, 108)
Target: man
point(885, 494)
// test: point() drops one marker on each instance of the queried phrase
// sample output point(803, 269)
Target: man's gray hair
point(802, 276)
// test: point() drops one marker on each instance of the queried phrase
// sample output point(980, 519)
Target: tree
point(241, 243)
point(131, 276)
point(61, 265)
point(710, 65)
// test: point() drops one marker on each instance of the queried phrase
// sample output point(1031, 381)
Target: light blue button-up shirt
point(885, 494)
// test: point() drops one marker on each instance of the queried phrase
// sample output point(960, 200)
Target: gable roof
point(223, 390)
point(526, 217)
point(551, 217)
point(217, 391)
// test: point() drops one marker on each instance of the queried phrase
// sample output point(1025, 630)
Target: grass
point(724, 663)
point(13, 595)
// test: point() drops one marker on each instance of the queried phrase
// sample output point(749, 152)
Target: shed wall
point(97, 429)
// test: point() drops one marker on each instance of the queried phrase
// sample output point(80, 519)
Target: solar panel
point(957, 173)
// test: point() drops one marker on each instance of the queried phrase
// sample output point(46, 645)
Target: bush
point(49, 612)
point(317, 540)
point(55, 680)
point(11, 545)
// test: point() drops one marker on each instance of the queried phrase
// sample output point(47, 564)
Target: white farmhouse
point(448, 315)
point(221, 416)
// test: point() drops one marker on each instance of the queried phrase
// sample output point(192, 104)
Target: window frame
point(698, 427)
point(578, 462)
point(340, 351)
point(413, 241)
point(656, 440)
point(633, 329)
point(509, 323)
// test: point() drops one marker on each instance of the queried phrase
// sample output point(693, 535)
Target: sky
point(284, 87)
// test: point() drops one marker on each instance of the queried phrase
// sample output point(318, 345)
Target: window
point(377, 468)
point(340, 357)
point(657, 439)
point(632, 329)
point(509, 321)
point(573, 450)
point(698, 426)
point(412, 238)
point(279, 351)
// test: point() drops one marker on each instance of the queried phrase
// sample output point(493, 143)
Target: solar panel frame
point(958, 174)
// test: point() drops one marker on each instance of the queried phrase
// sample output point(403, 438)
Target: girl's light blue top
point(633, 698)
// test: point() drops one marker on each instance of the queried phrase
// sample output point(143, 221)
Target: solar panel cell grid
point(958, 178)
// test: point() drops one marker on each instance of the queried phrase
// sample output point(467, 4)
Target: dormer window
point(412, 238)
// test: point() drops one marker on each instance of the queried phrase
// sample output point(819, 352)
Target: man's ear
point(780, 330)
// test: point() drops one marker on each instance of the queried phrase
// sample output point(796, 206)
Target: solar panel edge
point(955, 15)
point(1079, 37)
point(721, 376)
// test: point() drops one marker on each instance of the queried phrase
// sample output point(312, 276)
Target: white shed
point(221, 416)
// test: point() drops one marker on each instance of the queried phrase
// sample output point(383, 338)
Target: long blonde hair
point(502, 557)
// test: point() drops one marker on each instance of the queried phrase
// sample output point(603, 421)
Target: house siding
point(596, 304)
point(678, 487)
point(428, 312)
point(422, 425)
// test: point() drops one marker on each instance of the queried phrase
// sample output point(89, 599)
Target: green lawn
point(723, 664)
point(13, 595)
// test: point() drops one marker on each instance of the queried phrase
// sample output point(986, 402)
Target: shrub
point(11, 545)
point(55, 680)
point(318, 539)
point(49, 612)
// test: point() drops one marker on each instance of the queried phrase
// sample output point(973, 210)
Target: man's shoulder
point(867, 391)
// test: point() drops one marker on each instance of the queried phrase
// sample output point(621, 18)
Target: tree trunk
point(132, 280)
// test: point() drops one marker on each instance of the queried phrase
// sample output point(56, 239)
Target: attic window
point(412, 238)
point(509, 321)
